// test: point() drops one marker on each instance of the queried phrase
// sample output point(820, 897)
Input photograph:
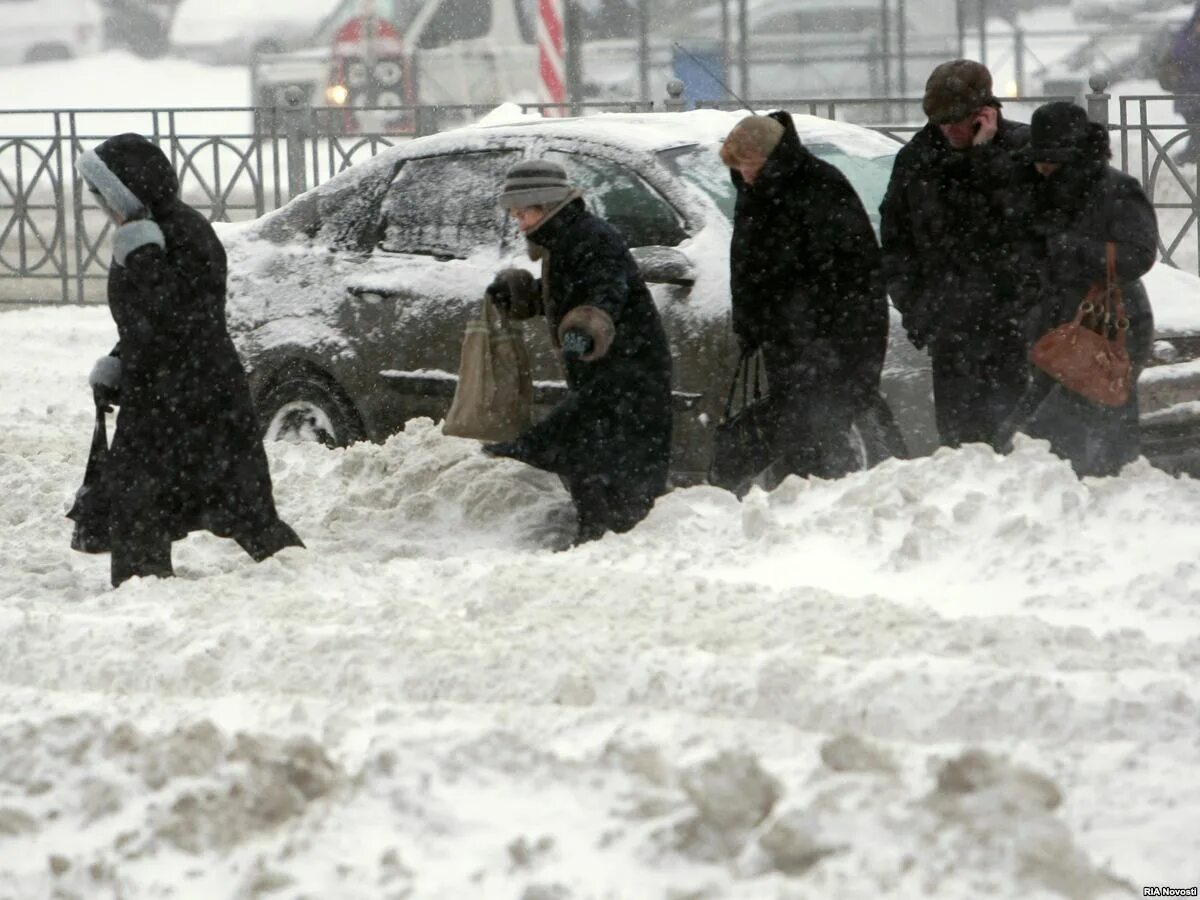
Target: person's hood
point(131, 173)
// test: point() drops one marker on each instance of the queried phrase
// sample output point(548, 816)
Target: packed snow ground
point(958, 676)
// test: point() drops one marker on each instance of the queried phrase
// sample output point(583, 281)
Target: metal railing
point(238, 163)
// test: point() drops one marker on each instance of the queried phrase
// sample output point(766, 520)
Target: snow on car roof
point(651, 132)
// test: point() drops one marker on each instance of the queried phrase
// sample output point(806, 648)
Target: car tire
point(305, 406)
point(47, 53)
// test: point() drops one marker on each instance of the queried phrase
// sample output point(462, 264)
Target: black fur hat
point(956, 89)
point(1060, 132)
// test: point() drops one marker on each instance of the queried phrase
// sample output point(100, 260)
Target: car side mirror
point(664, 265)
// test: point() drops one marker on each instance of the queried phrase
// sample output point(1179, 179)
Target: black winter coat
point(805, 268)
point(1076, 211)
point(950, 231)
point(187, 452)
point(615, 424)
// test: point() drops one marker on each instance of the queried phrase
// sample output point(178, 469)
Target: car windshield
point(701, 165)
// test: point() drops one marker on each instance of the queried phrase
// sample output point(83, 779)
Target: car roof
point(653, 132)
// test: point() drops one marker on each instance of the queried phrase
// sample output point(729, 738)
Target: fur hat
point(130, 173)
point(1060, 132)
point(535, 182)
point(956, 89)
point(757, 134)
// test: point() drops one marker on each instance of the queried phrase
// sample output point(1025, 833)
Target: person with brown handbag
point(1092, 235)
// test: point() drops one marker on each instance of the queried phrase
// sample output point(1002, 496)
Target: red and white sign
point(552, 55)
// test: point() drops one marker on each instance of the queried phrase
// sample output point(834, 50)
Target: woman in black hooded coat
point(1079, 203)
point(807, 288)
point(187, 452)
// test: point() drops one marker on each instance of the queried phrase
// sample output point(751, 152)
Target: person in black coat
point(806, 288)
point(950, 231)
point(610, 439)
point(186, 454)
point(1079, 204)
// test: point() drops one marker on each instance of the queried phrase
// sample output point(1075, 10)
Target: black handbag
point(91, 508)
point(743, 443)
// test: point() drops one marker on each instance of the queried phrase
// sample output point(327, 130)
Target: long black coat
point(805, 269)
point(950, 239)
point(610, 438)
point(187, 452)
point(1077, 210)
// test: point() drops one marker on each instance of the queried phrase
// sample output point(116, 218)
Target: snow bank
point(958, 676)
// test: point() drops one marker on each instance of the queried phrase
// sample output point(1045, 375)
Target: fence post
point(425, 121)
point(674, 101)
point(295, 114)
point(1097, 100)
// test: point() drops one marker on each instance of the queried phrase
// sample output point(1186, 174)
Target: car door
point(438, 245)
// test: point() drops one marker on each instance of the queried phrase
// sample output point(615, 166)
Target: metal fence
point(238, 163)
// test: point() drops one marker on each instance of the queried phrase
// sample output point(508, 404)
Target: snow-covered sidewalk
point(951, 677)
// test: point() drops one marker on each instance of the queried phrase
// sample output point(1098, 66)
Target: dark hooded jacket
point(950, 240)
point(187, 452)
point(1075, 212)
point(611, 437)
point(805, 268)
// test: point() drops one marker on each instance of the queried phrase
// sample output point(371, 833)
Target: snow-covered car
point(1116, 10)
point(349, 303)
point(234, 32)
point(43, 30)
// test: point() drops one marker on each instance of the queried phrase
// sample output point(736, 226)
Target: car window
point(622, 198)
point(868, 174)
point(446, 205)
point(702, 166)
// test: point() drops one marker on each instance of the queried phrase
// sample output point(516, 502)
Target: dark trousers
point(813, 416)
point(975, 393)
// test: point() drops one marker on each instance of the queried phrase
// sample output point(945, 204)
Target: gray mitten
point(105, 379)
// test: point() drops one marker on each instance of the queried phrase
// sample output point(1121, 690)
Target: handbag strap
point(99, 452)
point(742, 375)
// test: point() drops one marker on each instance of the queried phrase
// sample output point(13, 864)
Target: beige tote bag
point(494, 397)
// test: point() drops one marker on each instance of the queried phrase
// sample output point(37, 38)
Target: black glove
point(500, 293)
point(105, 379)
point(576, 343)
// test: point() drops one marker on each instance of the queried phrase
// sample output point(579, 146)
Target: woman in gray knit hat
point(610, 439)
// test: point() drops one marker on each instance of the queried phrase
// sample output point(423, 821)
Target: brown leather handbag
point(1079, 353)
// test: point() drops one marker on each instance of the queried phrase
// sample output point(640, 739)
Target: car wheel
point(303, 406)
point(47, 53)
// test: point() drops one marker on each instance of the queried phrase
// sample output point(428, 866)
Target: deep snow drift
point(950, 677)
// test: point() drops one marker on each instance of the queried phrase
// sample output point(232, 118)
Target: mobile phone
point(975, 128)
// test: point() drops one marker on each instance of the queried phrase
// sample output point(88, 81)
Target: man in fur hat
point(610, 439)
point(806, 291)
point(950, 237)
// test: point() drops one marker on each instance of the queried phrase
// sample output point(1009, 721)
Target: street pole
point(744, 51)
point(960, 18)
point(725, 36)
point(902, 32)
point(885, 45)
point(983, 31)
point(574, 55)
point(643, 33)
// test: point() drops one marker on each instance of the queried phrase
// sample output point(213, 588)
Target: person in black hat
point(187, 453)
point(610, 439)
point(949, 251)
point(1079, 203)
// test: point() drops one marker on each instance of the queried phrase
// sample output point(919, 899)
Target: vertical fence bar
point(1019, 61)
point(77, 205)
point(60, 212)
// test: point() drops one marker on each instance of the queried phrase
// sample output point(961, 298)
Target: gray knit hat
point(534, 182)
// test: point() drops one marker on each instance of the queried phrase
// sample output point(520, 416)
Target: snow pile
point(964, 675)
